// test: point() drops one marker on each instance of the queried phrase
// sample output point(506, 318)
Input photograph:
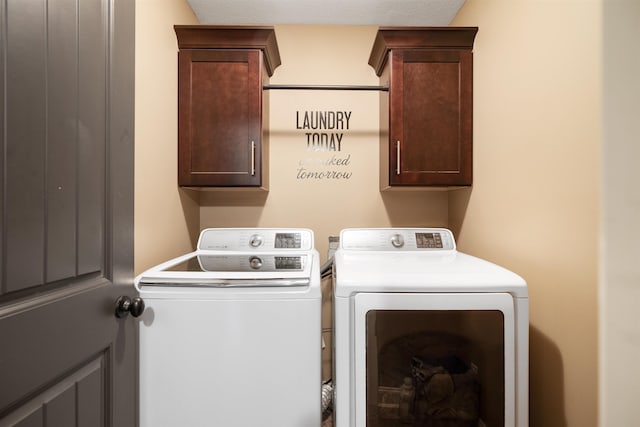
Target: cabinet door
point(430, 131)
point(219, 119)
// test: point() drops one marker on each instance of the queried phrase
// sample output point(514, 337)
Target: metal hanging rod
point(325, 87)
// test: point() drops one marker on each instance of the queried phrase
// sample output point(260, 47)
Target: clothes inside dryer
point(444, 359)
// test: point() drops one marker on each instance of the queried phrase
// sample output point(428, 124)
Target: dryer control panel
point(262, 239)
point(393, 239)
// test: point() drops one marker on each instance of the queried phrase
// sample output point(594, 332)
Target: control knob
point(397, 240)
point(255, 262)
point(255, 241)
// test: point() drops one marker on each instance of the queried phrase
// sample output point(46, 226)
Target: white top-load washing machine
point(426, 335)
point(231, 333)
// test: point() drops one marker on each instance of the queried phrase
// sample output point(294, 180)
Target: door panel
point(25, 119)
point(61, 130)
point(66, 213)
point(91, 128)
point(431, 117)
point(220, 117)
point(77, 396)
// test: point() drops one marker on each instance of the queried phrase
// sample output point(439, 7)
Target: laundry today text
point(323, 120)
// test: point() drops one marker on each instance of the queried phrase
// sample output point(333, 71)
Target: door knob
point(126, 305)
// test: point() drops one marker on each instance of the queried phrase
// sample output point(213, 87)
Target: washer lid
point(215, 269)
point(241, 263)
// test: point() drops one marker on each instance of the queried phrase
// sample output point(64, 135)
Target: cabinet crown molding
point(388, 38)
point(231, 37)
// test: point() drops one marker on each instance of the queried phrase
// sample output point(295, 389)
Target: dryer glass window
point(435, 368)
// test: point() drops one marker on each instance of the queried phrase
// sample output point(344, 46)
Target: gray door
point(66, 213)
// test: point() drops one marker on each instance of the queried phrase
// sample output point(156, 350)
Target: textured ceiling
point(348, 12)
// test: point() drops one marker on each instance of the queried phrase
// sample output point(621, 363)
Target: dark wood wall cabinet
point(426, 115)
point(222, 108)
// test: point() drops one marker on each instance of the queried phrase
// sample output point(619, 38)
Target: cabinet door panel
point(220, 118)
point(431, 117)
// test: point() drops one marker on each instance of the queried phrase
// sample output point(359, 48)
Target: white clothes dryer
point(426, 335)
point(231, 333)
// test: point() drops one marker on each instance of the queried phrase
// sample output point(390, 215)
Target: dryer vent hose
point(327, 395)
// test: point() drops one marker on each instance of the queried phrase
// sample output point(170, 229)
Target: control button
point(255, 241)
point(397, 240)
point(255, 262)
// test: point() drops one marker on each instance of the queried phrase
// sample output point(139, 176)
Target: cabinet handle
point(253, 158)
point(397, 157)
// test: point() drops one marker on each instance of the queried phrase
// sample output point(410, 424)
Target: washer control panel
point(263, 239)
point(394, 239)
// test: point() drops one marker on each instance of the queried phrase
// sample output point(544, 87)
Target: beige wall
point(326, 55)
point(534, 206)
point(166, 219)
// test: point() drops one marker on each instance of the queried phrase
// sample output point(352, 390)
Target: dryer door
point(434, 359)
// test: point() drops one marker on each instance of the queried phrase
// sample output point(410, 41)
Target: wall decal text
point(323, 121)
point(324, 134)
